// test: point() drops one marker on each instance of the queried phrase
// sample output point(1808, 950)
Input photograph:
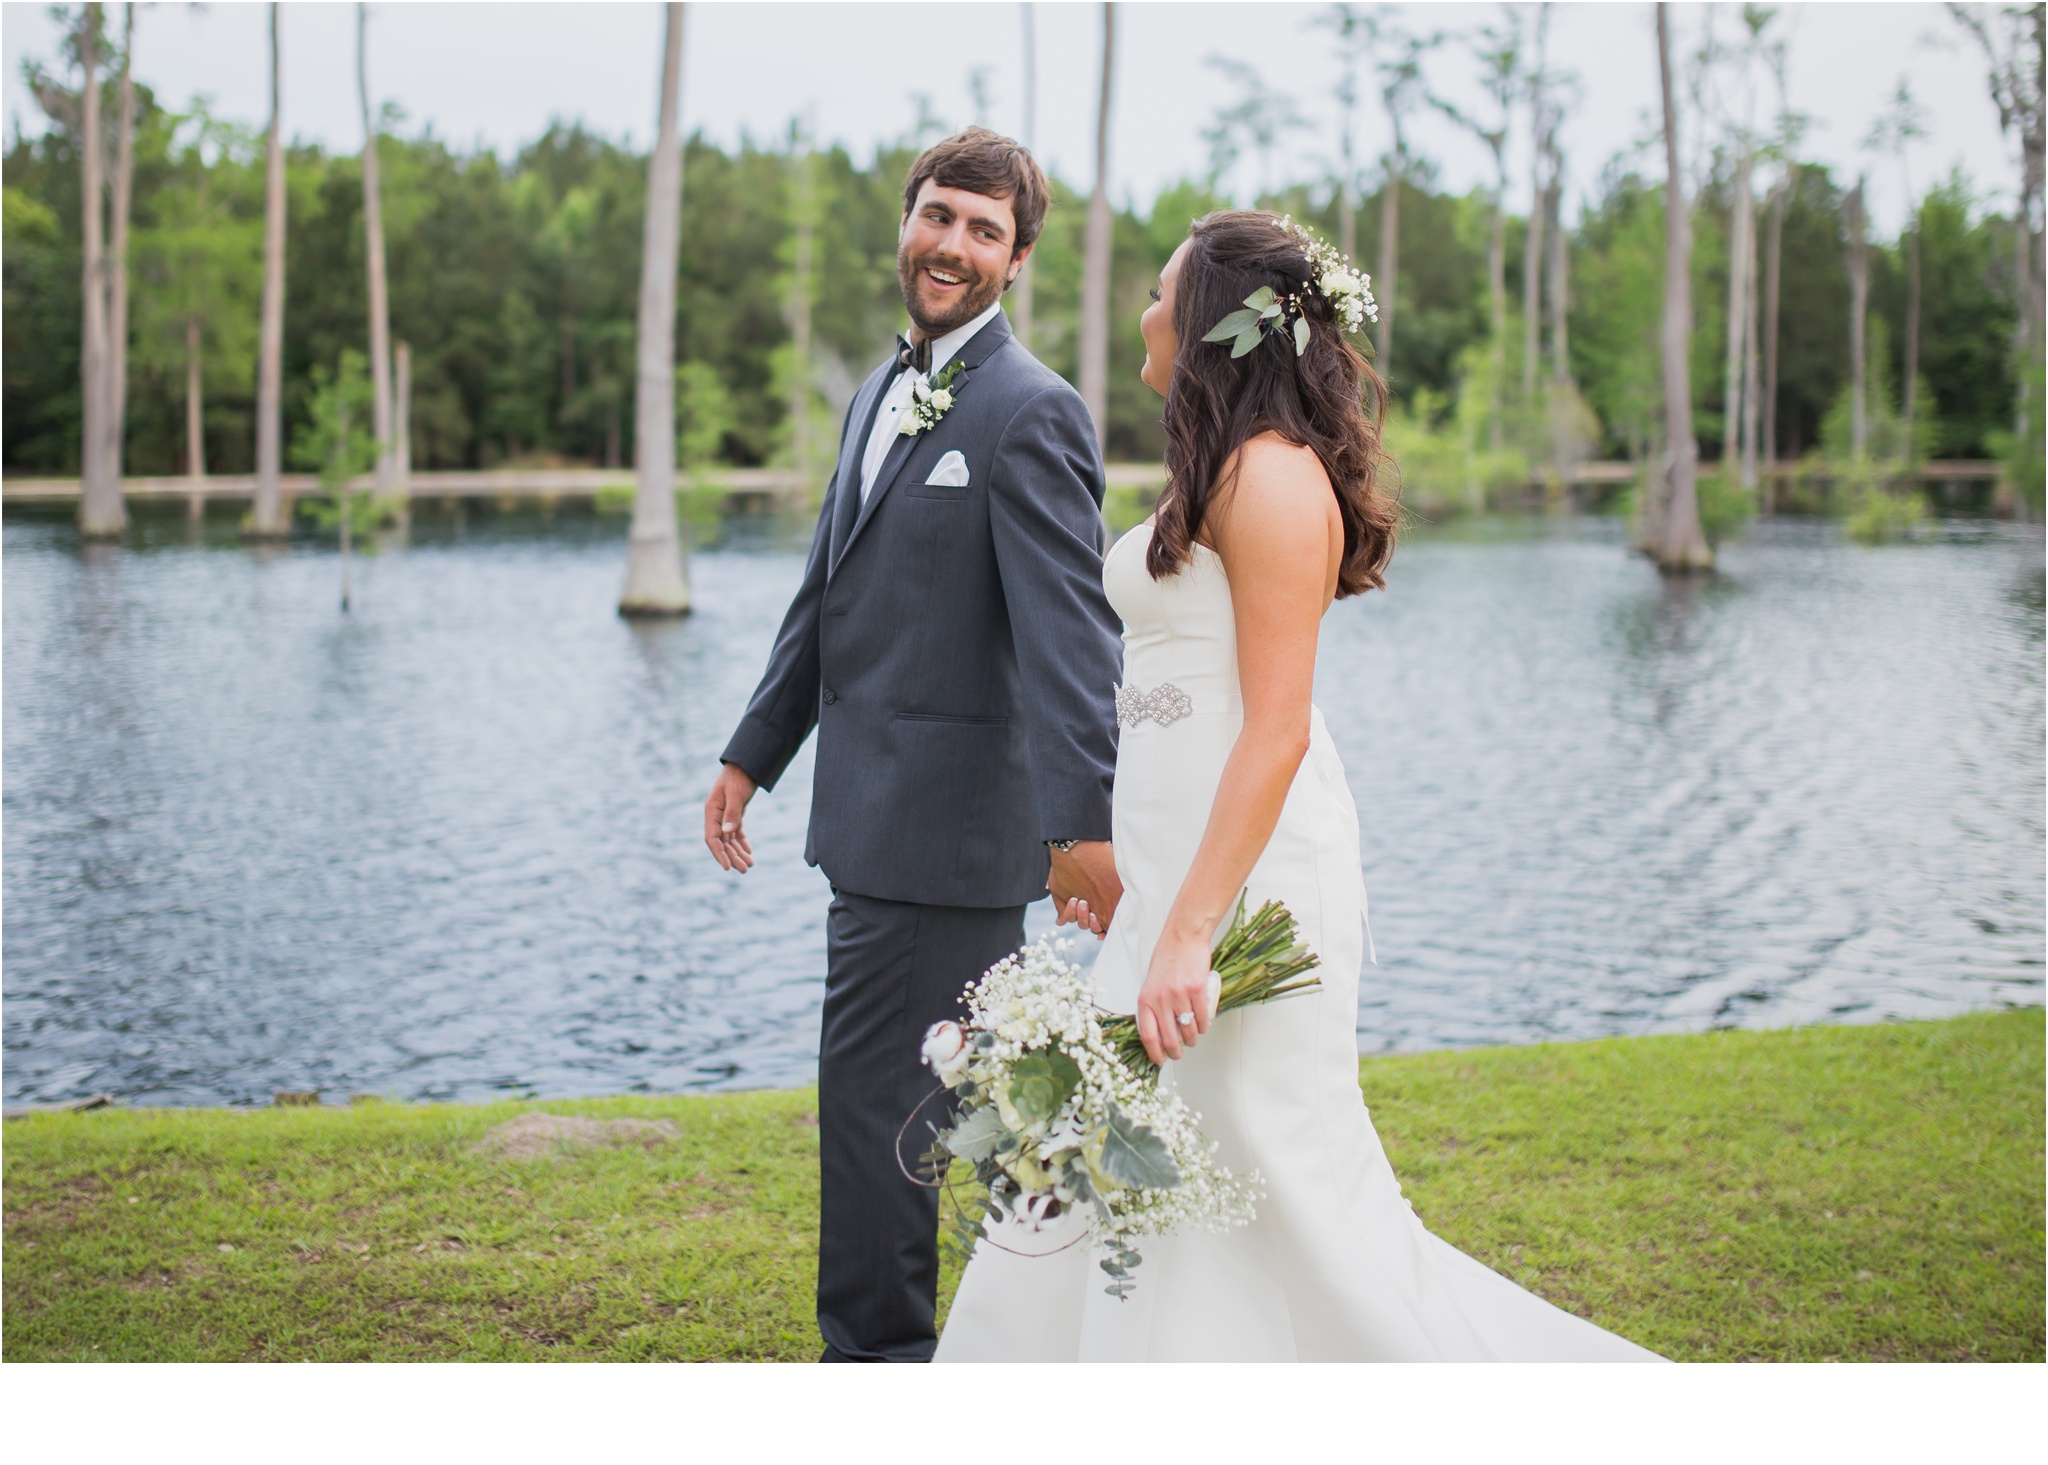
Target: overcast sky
point(497, 73)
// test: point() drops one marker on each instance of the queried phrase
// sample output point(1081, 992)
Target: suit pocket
point(951, 721)
point(943, 492)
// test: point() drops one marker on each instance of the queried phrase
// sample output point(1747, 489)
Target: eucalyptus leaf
point(1246, 340)
point(976, 1136)
point(1301, 335)
point(1231, 324)
point(1269, 312)
point(1260, 298)
point(1135, 1156)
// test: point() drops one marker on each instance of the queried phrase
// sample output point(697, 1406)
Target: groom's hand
point(724, 815)
point(1084, 884)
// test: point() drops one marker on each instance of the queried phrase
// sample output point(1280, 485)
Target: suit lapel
point(846, 492)
point(978, 349)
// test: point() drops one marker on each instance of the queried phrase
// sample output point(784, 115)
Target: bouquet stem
point(1256, 961)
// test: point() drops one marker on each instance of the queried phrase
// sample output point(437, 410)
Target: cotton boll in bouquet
point(1059, 1110)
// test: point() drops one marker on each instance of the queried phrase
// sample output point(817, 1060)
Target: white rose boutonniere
point(932, 398)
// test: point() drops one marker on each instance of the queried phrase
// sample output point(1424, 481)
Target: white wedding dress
point(1336, 1267)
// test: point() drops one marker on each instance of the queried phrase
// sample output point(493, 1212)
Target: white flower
point(942, 399)
point(920, 388)
point(910, 426)
point(945, 1051)
point(1340, 282)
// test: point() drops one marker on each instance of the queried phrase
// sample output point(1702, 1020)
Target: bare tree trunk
point(1859, 310)
point(1565, 445)
point(195, 413)
point(1532, 284)
point(1497, 291)
point(1020, 292)
point(195, 423)
point(1095, 263)
point(117, 258)
point(1386, 283)
point(1741, 238)
point(1679, 542)
point(1909, 392)
point(373, 253)
point(267, 517)
point(402, 426)
point(101, 514)
point(800, 324)
point(656, 581)
point(1752, 369)
point(346, 493)
point(1557, 287)
point(1781, 201)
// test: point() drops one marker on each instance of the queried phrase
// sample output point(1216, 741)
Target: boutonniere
point(931, 399)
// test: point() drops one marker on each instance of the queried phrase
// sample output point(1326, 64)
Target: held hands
point(724, 813)
point(1178, 985)
point(1084, 885)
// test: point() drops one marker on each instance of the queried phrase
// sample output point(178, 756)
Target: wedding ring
point(1187, 1019)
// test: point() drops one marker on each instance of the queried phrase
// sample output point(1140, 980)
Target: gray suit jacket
point(953, 647)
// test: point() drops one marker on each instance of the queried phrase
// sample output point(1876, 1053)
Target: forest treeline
point(514, 283)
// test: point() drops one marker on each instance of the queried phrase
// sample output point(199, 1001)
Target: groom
point(952, 646)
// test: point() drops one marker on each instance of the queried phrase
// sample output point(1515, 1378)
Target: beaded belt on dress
point(1164, 704)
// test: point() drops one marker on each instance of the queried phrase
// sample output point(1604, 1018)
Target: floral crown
point(1330, 275)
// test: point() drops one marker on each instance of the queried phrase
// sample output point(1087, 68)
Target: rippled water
point(448, 846)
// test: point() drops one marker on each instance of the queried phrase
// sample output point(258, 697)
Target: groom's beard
point(936, 316)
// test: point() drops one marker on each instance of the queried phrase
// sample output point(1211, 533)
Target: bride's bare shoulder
point(1279, 485)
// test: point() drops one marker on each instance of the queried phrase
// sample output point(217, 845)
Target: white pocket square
point(951, 471)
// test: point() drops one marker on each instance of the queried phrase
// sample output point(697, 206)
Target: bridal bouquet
point(1059, 1110)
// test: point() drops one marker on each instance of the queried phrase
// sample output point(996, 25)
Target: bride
point(1226, 780)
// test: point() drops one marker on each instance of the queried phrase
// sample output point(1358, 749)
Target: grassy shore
point(1830, 1192)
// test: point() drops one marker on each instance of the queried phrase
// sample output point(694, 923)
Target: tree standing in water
point(101, 512)
point(1672, 533)
point(1095, 260)
point(117, 260)
point(267, 519)
point(381, 415)
point(656, 582)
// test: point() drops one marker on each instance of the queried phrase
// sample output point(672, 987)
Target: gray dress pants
point(892, 970)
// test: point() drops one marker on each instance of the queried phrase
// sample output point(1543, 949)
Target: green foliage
point(1879, 513)
point(336, 442)
point(199, 260)
point(1040, 1083)
point(1472, 452)
point(1889, 445)
point(1133, 1155)
point(1829, 1192)
point(1966, 320)
point(1617, 297)
point(704, 415)
point(2022, 456)
point(514, 281)
point(1725, 505)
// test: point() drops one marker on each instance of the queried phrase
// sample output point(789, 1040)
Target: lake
point(448, 846)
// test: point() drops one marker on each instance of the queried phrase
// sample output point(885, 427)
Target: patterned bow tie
point(917, 356)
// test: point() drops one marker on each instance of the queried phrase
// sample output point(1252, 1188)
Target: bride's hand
point(1177, 983)
point(1076, 913)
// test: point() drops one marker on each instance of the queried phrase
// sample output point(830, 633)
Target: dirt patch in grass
point(558, 1136)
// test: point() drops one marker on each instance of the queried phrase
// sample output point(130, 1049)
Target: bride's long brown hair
point(1318, 400)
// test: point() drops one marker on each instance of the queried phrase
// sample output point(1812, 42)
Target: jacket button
point(831, 696)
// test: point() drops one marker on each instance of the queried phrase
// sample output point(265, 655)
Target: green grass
point(1861, 1192)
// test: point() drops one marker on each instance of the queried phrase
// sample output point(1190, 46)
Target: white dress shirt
point(896, 399)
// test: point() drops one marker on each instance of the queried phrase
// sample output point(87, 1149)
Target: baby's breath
point(1036, 1164)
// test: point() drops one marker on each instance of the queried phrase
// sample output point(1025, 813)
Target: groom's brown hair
point(992, 165)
